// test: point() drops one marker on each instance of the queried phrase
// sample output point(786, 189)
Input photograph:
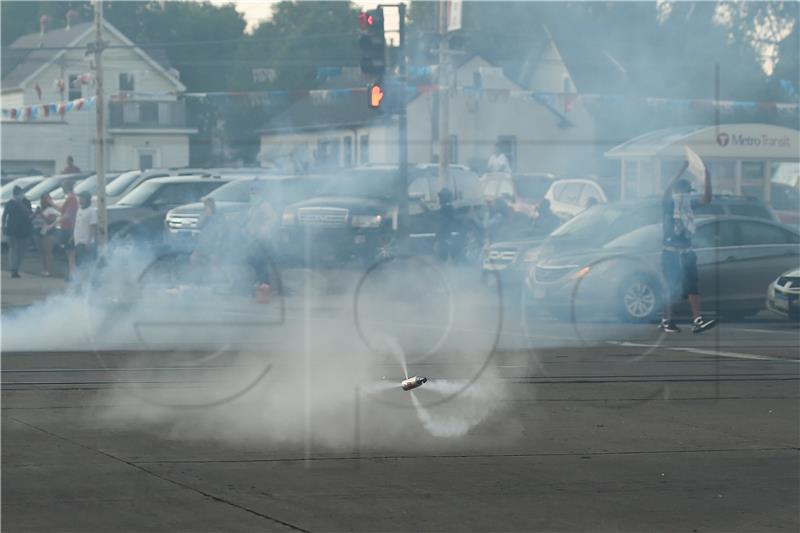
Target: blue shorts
point(680, 273)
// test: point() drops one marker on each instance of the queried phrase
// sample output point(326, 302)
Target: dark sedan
point(737, 258)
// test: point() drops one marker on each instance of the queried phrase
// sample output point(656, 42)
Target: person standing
point(260, 229)
point(71, 168)
point(66, 225)
point(210, 237)
point(18, 227)
point(678, 261)
point(498, 162)
point(47, 222)
point(85, 231)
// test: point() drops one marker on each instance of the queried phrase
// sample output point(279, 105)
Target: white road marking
point(721, 353)
point(770, 331)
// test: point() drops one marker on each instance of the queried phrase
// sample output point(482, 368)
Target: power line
point(193, 43)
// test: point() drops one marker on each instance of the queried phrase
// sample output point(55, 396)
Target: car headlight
point(582, 273)
point(288, 218)
point(366, 221)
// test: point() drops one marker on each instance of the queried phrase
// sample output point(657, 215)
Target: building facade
point(145, 114)
point(486, 108)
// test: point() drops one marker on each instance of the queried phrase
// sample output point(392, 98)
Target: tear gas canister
point(413, 383)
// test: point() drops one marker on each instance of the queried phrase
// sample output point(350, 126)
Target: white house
point(145, 116)
point(485, 108)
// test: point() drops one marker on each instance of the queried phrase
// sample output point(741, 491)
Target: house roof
point(28, 53)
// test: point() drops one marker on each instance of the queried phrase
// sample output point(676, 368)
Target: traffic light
point(372, 42)
point(376, 95)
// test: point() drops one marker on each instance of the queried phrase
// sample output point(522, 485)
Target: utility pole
point(102, 220)
point(403, 118)
point(444, 98)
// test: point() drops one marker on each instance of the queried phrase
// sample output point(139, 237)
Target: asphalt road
point(546, 427)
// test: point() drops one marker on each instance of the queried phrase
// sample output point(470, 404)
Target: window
point(467, 186)
point(490, 188)
point(126, 82)
point(754, 233)
point(419, 189)
point(571, 193)
point(74, 87)
point(453, 149)
point(557, 189)
point(715, 234)
point(145, 160)
point(148, 112)
point(709, 209)
point(590, 195)
point(508, 146)
point(180, 193)
point(347, 156)
point(752, 210)
point(363, 149)
point(723, 175)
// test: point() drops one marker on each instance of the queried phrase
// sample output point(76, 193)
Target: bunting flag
point(554, 100)
point(34, 112)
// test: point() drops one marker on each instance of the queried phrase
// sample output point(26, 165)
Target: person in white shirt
point(498, 162)
point(85, 230)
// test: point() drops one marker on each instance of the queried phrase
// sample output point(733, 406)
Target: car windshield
point(88, 185)
point(362, 184)
point(8, 189)
point(140, 194)
point(121, 184)
point(48, 185)
point(239, 191)
point(641, 239)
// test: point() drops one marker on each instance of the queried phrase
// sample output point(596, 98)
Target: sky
point(257, 10)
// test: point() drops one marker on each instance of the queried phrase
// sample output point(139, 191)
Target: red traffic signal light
point(372, 42)
point(376, 95)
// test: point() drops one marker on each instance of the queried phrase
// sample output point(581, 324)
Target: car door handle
point(730, 259)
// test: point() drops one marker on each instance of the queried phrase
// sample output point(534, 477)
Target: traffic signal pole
point(444, 99)
point(99, 164)
point(403, 118)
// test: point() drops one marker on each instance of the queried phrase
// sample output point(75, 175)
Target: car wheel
point(639, 299)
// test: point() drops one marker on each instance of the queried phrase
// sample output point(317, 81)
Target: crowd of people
point(72, 227)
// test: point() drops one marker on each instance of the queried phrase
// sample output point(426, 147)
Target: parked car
point(128, 181)
point(7, 177)
point(596, 226)
point(140, 213)
point(234, 199)
point(52, 184)
point(25, 183)
point(357, 215)
point(783, 294)
point(88, 185)
point(784, 201)
point(736, 258)
point(568, 197)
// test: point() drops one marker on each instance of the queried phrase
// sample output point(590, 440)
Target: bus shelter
point(743, 158)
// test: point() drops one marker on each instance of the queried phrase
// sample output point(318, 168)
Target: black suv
point(234, 199)
point(356, 216)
